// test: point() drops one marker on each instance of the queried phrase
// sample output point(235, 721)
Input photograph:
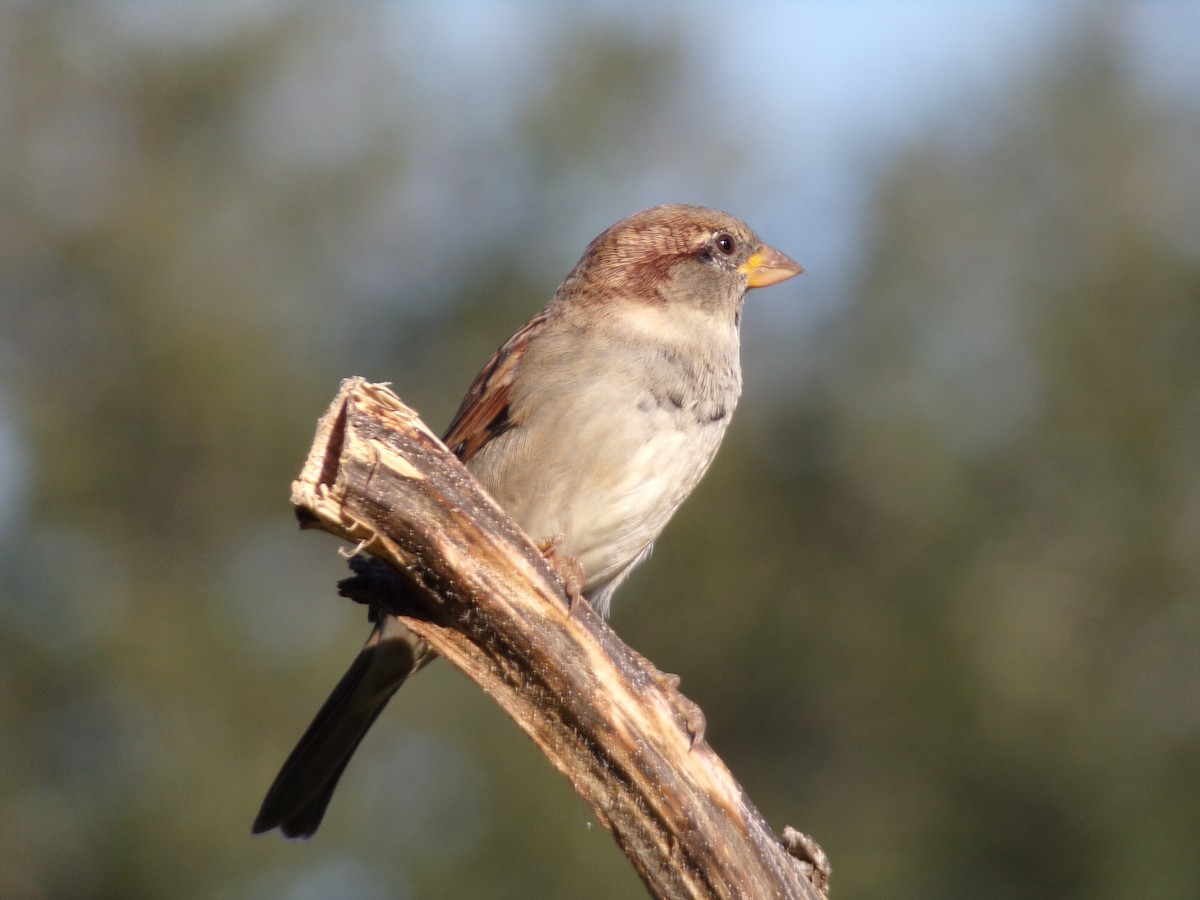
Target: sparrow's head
point(678, 253)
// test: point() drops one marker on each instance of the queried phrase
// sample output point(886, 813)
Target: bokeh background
point(939, 596)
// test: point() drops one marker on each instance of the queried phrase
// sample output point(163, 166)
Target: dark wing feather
point(484, 413)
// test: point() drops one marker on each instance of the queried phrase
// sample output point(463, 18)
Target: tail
point(297, 800)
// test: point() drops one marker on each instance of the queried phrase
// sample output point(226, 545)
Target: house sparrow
point(589, 427)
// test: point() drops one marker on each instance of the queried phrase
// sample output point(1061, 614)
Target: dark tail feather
point(297, 800)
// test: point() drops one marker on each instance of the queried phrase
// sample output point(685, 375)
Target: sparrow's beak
point(768, 266)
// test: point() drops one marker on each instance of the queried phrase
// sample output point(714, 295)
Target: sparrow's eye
point(725, 243)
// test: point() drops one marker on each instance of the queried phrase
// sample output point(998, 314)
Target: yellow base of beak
point(768, 266)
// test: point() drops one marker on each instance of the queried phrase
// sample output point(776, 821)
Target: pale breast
point(607, 446)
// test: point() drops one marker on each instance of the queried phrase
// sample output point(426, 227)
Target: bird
point(589, 426)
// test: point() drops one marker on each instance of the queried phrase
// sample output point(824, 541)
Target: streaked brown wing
point(484, 413)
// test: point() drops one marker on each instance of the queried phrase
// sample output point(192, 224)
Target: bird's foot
point(694, 722)
point(568, 569)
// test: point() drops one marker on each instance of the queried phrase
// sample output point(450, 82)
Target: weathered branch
point(479, 592)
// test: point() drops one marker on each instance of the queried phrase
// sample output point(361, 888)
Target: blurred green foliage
point(939, 597)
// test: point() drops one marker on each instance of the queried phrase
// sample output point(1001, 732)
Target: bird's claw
point(568, 569)
point(694, 722)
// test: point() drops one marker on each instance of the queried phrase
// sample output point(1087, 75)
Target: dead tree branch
point(479, 592)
